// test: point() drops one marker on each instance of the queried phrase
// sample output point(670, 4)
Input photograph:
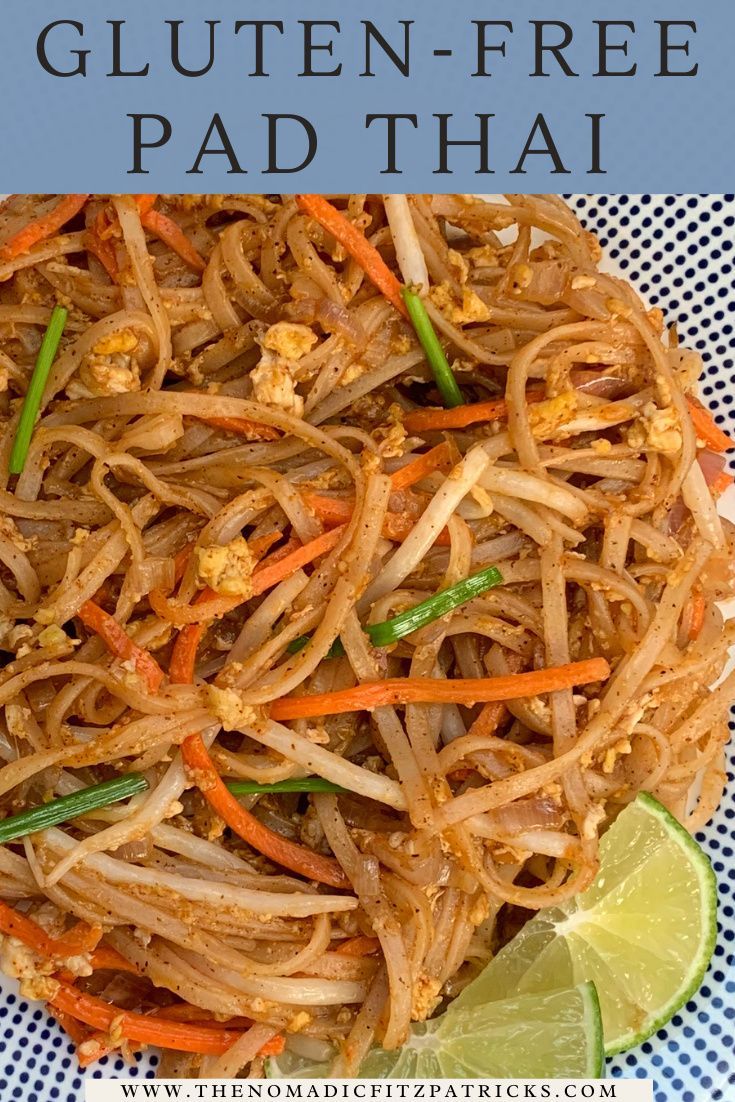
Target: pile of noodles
point(595, 503)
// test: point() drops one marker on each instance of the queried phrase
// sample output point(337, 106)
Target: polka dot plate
point(679, 252)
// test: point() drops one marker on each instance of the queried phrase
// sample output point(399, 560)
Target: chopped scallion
point(335, 651)
point(32, 400)
point(445, 380)
point(65, 808)
point(297, 784)
point(390, 631)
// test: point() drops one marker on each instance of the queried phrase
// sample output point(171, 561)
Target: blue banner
point(391, 95)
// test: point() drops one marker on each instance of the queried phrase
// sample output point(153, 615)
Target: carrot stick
point(17, 925)
point(430, 690)
point(104, 252)
point(81, 938)
point(398, 526)
point(427, 420)
point(256, 834)
point(181, 1036)
point(435, 459)
point(105, 957)
point(184, 653)
point(144, 203)
point(336, 510)
point(40, 228)
point(119, 643)
point(251, 430)
point(267, 574)
point(723, 482)
point(163, 227)
point(489, 719)
point(274, 1047)
point(706, 429)
point(71, 1027)
point(357, 245)
point(694, 614)
point(358, 946)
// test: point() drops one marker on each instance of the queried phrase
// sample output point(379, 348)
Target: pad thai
point(359, 562)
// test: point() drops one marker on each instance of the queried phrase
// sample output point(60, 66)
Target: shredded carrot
point(270, 572)
point(163, 227)
point(338, 510)
point(274, 1047)
point(357, 245)
point(119, 643)
point(358, 946)
point(436, 459)
point(430, 690)
point(104, 252)
point(706, 429)
point(144, 203)
point(723, 482)
point(184, 653)
point(398, 526)
point(694, 614)
point(261, 545)
point(181, 560)
point(93, 1047)
point(81, 938)
point(105, 957)
point(71, 1026)
point(256, 834)
point(166, 1033)
point(40, 228)
point(240, 426)
point(17, 925)
point(425, 420)
point(489, 719)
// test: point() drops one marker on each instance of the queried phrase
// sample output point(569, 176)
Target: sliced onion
point(338, 320)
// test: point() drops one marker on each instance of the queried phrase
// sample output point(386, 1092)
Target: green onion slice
point(71, 807)
point(32, 400)
point(335, 651)
point(390, 631)
point(296, 784)
point(445, 380)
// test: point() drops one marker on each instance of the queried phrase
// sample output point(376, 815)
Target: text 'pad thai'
point(359, 561)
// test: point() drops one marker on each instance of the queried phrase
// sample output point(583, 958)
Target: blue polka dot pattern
point(678, 250)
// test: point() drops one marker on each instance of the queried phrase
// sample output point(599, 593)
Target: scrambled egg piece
point(289, 339)
point(228, 569)
point(110, 368)
point(230, 708)
point(656, 430)
point(471, 309)
point(274, 385)
point(546, 417)
point(425, 997)
point(275, 376)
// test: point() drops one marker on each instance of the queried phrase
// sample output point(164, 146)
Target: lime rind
point(708, 912)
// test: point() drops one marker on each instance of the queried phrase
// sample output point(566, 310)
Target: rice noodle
point(201, 427)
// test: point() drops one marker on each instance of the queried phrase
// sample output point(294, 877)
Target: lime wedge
point(643, 932)
point(557, 1035)
point(553, 1036)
